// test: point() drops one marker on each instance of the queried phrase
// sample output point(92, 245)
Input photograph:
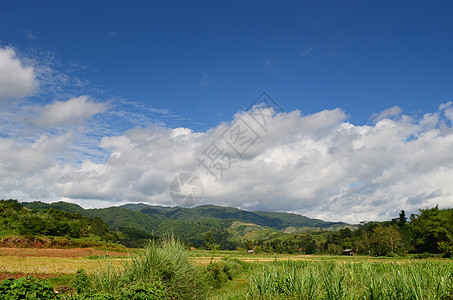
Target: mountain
point(115, 217)
point(276, 220)
point(227, 226)
point(68, 207)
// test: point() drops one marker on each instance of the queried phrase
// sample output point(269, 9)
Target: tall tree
point(430, 227)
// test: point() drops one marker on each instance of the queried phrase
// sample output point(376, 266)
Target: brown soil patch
point(73, 252)
point(4, 276)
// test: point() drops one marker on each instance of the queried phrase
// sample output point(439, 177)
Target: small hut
point(349, 252)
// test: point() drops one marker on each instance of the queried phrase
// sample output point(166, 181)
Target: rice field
point(262, 276)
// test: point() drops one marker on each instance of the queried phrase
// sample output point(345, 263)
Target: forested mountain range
point(209, 226)
point(229, 227)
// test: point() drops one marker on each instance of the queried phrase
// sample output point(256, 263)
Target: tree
point(402, 219)
point(431, 227)
point(385, 240)
point(334, 249)
point(209, 240)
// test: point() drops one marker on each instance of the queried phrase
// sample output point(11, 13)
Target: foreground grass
point(163, 269)
point(427, 279)
point(166, 270)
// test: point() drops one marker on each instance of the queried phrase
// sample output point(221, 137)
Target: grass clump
point(163, 270)
point(222, 271)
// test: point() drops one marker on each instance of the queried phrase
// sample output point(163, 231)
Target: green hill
point(65, 228)
point(115, 217)
point(276, 220)
point(229, 227)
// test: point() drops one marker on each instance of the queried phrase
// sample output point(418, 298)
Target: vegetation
point(192, 224)
point(429, 231)
point(430, 227)
point(132, 225)
point(16, 220)
point(26, 288)
point(65, 229)
point(328, 280)
point(162, 270)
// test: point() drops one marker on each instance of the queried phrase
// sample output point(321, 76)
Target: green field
point(80, 256)
point(177, 273)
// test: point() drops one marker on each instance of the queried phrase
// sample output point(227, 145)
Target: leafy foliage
point(224, 270)
point(26, 288)
point(49, 222)
point(430, 227)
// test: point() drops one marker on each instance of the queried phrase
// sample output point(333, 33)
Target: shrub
point(144, 291)
point(223, 271)
point(26, 288)
point(423, 255)
point(95, 296)
point(446, 248)
point(164, 264)
point(81, 282)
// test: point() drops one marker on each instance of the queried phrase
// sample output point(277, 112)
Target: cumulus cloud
point(319, 165)
point(67, 113)
point(16, 80)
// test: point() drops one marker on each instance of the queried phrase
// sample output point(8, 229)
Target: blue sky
point(207, 59)
point(103, 71)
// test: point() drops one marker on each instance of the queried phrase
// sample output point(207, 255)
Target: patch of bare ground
point(48, 252)
point(5, 275)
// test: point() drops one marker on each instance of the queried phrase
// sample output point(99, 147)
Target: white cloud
point(71, 112)
point(319, 165)
point(387, 113)
point(16, 80)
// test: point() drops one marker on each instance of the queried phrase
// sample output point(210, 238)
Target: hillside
point(227, 226)
point(276, 220)
point(65, 228)
point(114, 217)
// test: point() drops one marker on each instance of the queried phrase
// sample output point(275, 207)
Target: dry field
point(45, 263)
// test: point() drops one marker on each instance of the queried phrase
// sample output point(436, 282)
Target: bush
point(446, 248)
point(95, 296)
point(144, 291)
point(26, 288)
point(162, 267)
point(423, 255)
point(81, 282)
point(223, 271)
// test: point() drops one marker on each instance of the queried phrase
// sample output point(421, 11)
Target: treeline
point(18, 220)
point(430, 231)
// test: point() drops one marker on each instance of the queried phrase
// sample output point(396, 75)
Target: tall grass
point(165, 262)
point(430, 279)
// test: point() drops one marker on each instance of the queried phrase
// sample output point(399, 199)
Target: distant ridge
point(276, 220)
point(231, 227)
